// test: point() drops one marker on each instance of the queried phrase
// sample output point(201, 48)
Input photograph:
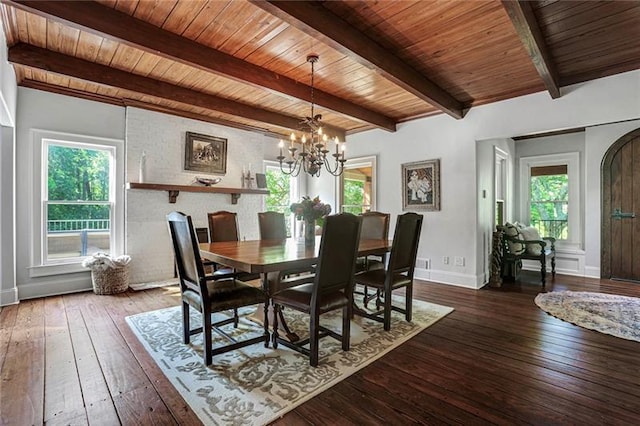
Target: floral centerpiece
point(310, 210)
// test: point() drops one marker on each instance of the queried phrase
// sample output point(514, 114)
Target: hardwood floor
point(497, 359)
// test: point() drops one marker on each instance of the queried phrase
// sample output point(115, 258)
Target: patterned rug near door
point(256, 385)
point(607, 313)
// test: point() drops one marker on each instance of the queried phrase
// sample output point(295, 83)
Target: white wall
point(52, 112)
point(162, 137)
point(572, 142)
point(486, 171)
point(453, 231)
point(8, 288)
point(8, 90)
point(569, 260)
point(8, 87)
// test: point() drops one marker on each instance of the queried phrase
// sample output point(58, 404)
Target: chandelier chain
point(313, 65)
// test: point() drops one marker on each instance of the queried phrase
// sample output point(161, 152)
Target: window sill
point(60, 269)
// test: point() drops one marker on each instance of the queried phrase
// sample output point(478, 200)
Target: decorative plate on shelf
point(207, 181)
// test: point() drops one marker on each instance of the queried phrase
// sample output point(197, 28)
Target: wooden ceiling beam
point(322, 24)
point(526, 25)
point(113, 24)
point(46, 60)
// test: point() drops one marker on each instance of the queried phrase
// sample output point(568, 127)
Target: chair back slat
point(272, 226)
point(338, 252)
point(375, 226)
point(223, 226)
point(405, 243)
point(187, 253)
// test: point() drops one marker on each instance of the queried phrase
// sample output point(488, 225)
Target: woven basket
point(110, 280)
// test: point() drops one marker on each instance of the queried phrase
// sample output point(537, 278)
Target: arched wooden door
point(621, 209)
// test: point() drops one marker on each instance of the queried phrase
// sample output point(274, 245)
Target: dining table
point(271, 258)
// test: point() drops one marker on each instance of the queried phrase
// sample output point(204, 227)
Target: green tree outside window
point(279, 198)
point(550, 205)
point(78, 204)
point(353, 201)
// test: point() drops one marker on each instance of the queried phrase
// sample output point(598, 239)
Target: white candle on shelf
point(142, 173)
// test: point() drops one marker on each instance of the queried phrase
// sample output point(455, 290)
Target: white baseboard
point(69, 284)
point(9, 297)
point(589, 271)
point(447, 277)
point(592, 271)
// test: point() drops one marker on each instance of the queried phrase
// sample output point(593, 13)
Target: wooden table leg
point(259, 315)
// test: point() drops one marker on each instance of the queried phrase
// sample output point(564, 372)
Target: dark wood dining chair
point(223, 226)
point(375, 226)
point(272, 226)
point(207, 294)
point(329, 289)
point(399, 272)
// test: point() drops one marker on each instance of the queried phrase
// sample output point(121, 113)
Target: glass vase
point(309, 232)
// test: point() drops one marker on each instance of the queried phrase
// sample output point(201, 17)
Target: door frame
point(605, 213)
point(354, 163)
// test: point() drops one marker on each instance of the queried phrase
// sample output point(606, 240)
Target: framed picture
point(261, 180)
point(207, 154)
point(421, 185)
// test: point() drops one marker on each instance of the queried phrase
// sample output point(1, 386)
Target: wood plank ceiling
point(242, 63)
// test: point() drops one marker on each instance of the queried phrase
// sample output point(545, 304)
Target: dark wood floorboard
point(497, 359)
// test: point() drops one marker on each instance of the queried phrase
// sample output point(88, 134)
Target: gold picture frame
point(206, 154)
point(421, 185)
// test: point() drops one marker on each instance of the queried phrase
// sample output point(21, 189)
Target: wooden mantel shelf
point(174, 190)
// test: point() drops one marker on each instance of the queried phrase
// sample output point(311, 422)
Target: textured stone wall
point(162, 138)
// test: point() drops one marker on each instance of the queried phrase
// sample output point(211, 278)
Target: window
point(550, 190)
point(357, 186)
point(282, 191)
point(550, 200)
point(77, 202)
point(79, 190)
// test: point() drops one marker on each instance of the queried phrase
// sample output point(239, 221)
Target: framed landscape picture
point(421, 185)
point(207, 154)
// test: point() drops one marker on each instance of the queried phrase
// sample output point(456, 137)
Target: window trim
point(502, 176)
point(40, 140)
point(572, 161)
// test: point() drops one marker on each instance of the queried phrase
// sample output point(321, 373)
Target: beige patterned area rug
point(607, 313)
point(256, 385)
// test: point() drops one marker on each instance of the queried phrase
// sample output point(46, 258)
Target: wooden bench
point(507, 264)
